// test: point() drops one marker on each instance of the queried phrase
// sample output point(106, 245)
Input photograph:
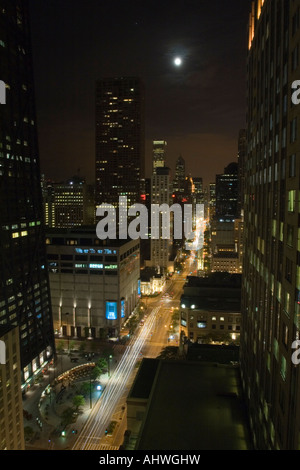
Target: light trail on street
point(100, 416)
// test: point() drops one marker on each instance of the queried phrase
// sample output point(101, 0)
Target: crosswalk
point(107, 447)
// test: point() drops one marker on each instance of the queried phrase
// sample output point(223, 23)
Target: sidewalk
point(43, 410)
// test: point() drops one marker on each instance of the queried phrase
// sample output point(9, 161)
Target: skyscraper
point(179, 180)
point(161, 194)
point(24, 286)
point(69, 204)
point(227, 194)
point(120, 139)
point(271, 289)
point(159, 154)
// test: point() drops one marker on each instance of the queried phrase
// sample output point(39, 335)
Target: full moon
point(177, 61)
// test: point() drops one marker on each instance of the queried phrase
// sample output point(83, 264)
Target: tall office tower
point(271, 289)
point(24, 284)
point(161, 194)
point(212, 200)
point(69, 204)
point(179, 179)
point(146, 200)
point(159, 154)
point(242, 150)
point(120, 139)
point(198, 190)
point(227, 194)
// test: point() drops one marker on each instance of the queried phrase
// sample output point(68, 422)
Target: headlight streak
point(103, 410)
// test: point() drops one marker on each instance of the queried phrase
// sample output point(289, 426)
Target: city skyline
point(151, 301)
point(198, 107)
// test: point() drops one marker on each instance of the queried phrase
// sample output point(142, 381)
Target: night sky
point(198, 107)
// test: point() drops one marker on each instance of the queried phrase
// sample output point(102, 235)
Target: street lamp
point(109, 358)
point(67, 313)
point(90, 360)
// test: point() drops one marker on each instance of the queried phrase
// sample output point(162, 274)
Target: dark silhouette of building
point(179, 179)
point(227, 197)
point(120, 139)
point(24, 285)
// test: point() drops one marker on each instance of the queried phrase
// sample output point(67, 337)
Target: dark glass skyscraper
point(227, 196)
point(179, 179)
point(120, 139)
point(271, 270)
point(24, 287)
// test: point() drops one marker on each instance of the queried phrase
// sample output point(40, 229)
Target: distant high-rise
point(271, 269)
point(24, 285)
point(227, 193)
point(212, 200)
point(161, 194)
point(179, 180)
point(69, 204)
point(198, 190)
point(120, 139)
point(159, 154)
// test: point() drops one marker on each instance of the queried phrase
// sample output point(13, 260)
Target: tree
point(169, 352)
point(95, 373)
point(67, 416)
point(85, 388)
point(78, 401)
point(102, 364)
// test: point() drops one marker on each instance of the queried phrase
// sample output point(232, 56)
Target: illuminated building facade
point(271, 269)
point(210, 309)
point(161, 194)
point(69, 204)
point(120, 139)
point(242, 151)
point(159, 154)
point(11, 404)
point(24, 285)
point(94, 283)
point(212, 200)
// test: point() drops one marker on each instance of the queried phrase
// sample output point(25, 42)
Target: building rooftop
point(217, 279)
point(194, 406)
point(86, 235)
point(218, 291)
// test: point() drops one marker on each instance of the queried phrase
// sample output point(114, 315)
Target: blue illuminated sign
point(111, 312)
point(139, 287)
point(122, 308)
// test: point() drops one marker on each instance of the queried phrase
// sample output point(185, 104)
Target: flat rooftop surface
point(195, 406)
